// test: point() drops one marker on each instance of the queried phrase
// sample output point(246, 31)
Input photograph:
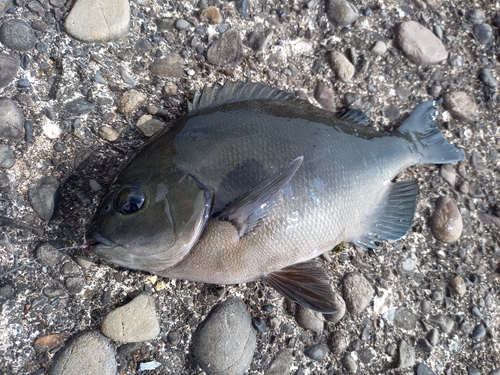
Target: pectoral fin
point(306, 283)
point(249, 209)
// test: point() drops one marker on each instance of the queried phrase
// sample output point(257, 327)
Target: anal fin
point(395, 216)
point(306, 283)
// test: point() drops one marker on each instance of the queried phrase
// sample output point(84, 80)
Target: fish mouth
point(101, 241)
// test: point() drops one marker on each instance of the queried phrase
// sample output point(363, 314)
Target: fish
point(253, 183)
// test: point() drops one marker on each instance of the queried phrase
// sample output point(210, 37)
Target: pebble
point(108, 133)
point(130, 101)
point(325, 96)
point(391, 112)
point(225, 341)
point(6, 291)
point(357, 292)
point(98, 21)
point(460, 105)
point(227, 50)
point(476, 16)
point(406, 355)
point(475, 311)
point(471, 370)
point(7, 157)
point(149, 125)
point(486, 76)
point(75, 358)
point(458, 285)
point(79, 106)
point(316, 352)
point(349, 364)
point(342, 67)
point(448, 173)
point(433, 336)
point(50, 129)
point(425, 346)
point(9, 67)
point(143, 45)
point(42, 196)
point(443, 322)
point(483, 33)
point(309, 319)
point(134, 322)
point(53, 291)
point(170, 65)
point(338, 341)
point(258, 41)
point(181, 24)
point(48, 342)
point(48, 254)
point(75, 284)
point(5, 5)
point(405, 319)
point(340, 308)
point(260, 325)
point(419, 44)
point(12, 119)
point(422, 369)
point(148, 366)
point(17, 35)
point(211, 14)
point(281, 363)
point(242, 6)
point(425, 306)
point(478, 333)
point(341, 12)
point(495, 371)
point(379, 48)
point(446, 222)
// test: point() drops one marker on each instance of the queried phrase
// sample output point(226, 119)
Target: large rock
point(419, 44)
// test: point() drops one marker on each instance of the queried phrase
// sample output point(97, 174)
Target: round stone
point(17, 35)
point(446, 222)
point(419, 44)
point(341, 12)
point(11, 120)
point(130, 101)
point(108, 133)
point(6, 156)
point(227, 50)
point(461, 105)
point(458, 285)
point(342, 67)
point(357, 292)
point(8, 69)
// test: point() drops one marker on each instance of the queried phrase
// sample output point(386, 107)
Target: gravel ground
point(64, 134)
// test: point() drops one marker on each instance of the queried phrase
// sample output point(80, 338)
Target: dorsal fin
point(238, 91)
point(355, 115)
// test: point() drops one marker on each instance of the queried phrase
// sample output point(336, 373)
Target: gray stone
point(108, 133)
point(343, 68)
point(75, 284)
point(98, 21)
point(171, 65)
point(357, 292)
point(8, 69)
point(433, 336)
point(79, 106)
point(461, 106)
point(486, 76)
point(338, 341)
point(446, 222)
point(316, 352)
point(227, 50)
point(4, 6)
point(471, 370)
point(281, 363)
point(405, 319)
point(422, 369)
point(12, 119)
point(6, 291)
point(483, 33)
point(42, 196)
point(479, 332)
point(476, 16)
point(349, 363)
point(53, 291)
point(379, 48)
point(134, 322)
point(494, 372)
point(325, 96)
point(7, 157)
point(258, 41)
point(181, 24)
point(341, 12)
point(309, 319)
point(130, 101)
point(443, 322)
point(149, 126)
point(419, 44)
point(224, 342)
point(87, 353)
point(406, 355)
point(448, 173)
point(458, 286)
point(17, 35)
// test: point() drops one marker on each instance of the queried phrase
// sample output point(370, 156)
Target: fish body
point(253, 183)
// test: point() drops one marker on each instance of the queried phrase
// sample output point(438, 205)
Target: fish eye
point(129, 200)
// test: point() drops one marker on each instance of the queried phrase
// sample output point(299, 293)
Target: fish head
point(150, 225)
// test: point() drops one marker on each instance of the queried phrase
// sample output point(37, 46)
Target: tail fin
point(430, 143)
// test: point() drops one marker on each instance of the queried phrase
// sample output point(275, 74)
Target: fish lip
point(101, 241)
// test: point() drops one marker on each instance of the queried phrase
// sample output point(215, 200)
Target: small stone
point(349, 364)
point(486, 76)
point(224, 342)
point(147, 366)
point(50, 128)
point(149, 126)
point(259, 41)
point(316, 352)
point(406, 355)
point(211, 14)
point(475, 311)
point(242, 6)
point(134, 322)
point(181, 24)
point(448, 173)
point(5, 5)
point(75, 284)
point(48, 254)
point(227, 50)
point(460, 105)
point(260, 325)
point(130, 101)
point(379, 48)
point(309, 319)
point(108, 133)
point(476, 16)
point(11, 120)
point(108, 21)
point(433, 336)
point(42, 196)
point(84, 262)
point(342, 67)
point(75, 358)
point(444, 323)
point(281, 363)
point(495, 371)
point(143, 45)
point(9, 67)
point(325, 96)
point(339, 312)
point(419, 44)
point(472, 371)
point(391, 112)
point(53, 291)
point(483, 33)
point(338, 342)
point(422, 369)
point(17, 35)
point(6, 291)
point(48, 342)
point(357, 292)
point(79, 106)
point(446, 221)
point(458, 285)
point(425, 346)
point(7, 157)
point(341, 12)
point(405, 319)
point(425, 306)
point(479, 332)
point(171, 65)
